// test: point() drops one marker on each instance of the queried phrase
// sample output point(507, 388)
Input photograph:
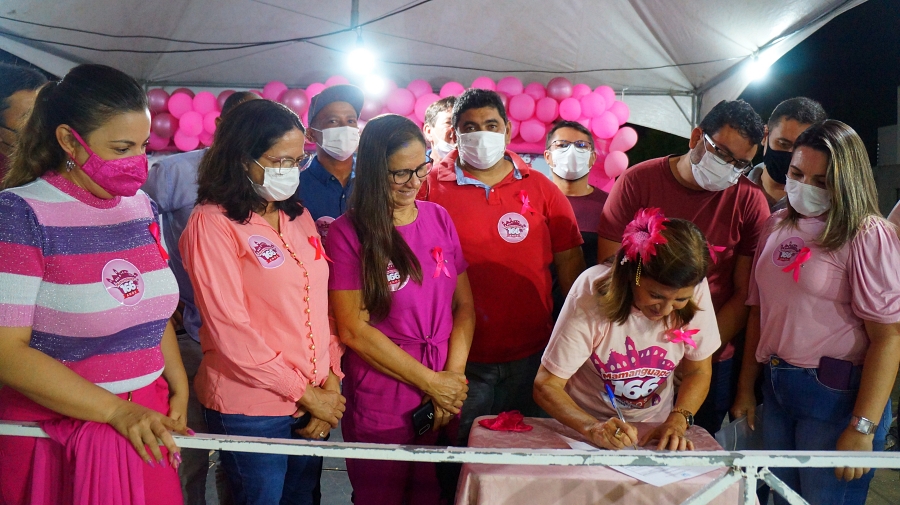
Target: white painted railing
point(745, 466)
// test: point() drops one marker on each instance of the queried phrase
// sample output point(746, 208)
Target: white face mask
point(440, 150)
point(570, 163)
point(809, 201)
point(712, 175)
point(341, 142)
point(481, 150)
point(277, 187)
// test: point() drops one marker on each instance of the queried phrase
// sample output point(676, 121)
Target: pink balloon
point(164, 125)
point(605, 125)
point(371, 108)
point(484, 82)
point(532, 130)
point(422, 104)
point(179, 103)
point(616, 163)
point(191, 123)
point(419, 87)
point(559, 88)
point(452, 88)
point(570, 109)
point(209, 122)
point(336, 79)
point(412, 117)
point(620, 110)
point(222, 97)
point(205, 102)
point(504, 98)
point(513, 128)
point(592, 105)
point(609, 96)
point(624, 139)
point(401, 101)
point(296, 100)
point(547, 110)
point(584, 121)
point(512, 86)
point(602, 145)
point(535, 90)
point(521, 107)
point(186, 91)
point(314, 89)
point(389, 86)
point(273, 90)
point(257, 92)
point(157, 143)
point(185, 142)
point(206, 138)
point(579, 90)
point(157, 98)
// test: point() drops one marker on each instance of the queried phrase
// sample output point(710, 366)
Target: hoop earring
point(70, 165)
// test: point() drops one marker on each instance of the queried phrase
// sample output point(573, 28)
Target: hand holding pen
point(623, 425)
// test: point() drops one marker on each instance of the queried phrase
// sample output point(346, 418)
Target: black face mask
point(777, 163)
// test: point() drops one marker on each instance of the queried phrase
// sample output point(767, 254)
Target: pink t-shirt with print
point(636, 358)
point(823, 312)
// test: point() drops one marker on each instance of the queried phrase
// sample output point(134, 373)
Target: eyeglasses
point(724, 158)
point(580, 145)
point(285, 163)
point(404, 176)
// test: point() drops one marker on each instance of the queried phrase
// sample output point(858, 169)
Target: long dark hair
point(243, 135)
point(371, 210)
point(85, 99)
point(680, 263)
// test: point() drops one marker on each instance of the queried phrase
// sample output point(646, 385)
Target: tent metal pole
point(354, 13)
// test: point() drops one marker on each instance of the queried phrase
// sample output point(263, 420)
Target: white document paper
point(654, 475)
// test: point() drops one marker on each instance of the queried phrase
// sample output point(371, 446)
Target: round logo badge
point(513, 227)
point(395, 283)
point(268, 254)
point(784, 254)
point(322, 224)
point(123, 281)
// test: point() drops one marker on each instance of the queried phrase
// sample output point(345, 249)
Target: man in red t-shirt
point(512, 224)
point(705, 186)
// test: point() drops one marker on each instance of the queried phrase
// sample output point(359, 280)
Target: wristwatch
point(863, 425)
point(687, 415)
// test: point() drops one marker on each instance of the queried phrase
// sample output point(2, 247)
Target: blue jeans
point(722, 388)
point(802, 414)
point(266, 479)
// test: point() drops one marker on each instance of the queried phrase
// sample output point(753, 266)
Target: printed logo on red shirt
point(395, 283)
point(635, 377)
point(123, 281)
point(513, 227)
point(785, 253)
point(268, 254)
point(322, 224)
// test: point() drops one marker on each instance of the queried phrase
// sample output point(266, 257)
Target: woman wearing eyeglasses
point(403, 307)
point(271, 366)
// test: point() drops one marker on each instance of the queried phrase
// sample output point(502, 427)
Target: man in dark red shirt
point(512, 224)
point(706, 186)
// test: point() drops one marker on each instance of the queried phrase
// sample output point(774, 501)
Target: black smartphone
point(835, 373)
point(423, 418)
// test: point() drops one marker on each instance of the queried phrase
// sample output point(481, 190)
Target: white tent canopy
point(673, 60)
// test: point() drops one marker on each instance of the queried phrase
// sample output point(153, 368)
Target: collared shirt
point(172, 184)
point(324, 195)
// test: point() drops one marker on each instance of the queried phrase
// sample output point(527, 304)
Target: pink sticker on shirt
point(785, 253)
point(513, 227)
point(395, 283)
point(268, 254)
point(635, 376)
point(123, 281)
point(322, 225)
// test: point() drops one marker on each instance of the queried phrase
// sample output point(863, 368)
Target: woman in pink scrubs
point(403, 307)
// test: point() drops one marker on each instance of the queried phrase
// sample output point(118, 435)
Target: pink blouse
point(265, 333)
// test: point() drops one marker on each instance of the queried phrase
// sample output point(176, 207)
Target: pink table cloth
point(520, 484)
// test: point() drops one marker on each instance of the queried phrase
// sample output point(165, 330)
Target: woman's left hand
point(852, 440)
point(671, 436)
point(178, 409)
point(317, 429)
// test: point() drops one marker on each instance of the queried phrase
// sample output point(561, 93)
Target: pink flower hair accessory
point(641, 237)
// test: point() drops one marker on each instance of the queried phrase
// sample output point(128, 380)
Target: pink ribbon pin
point(438, 254)
point(320, 251)
point(154, 230)
point(678, 335)
point(801, 258)
point(713, 250)
point(526, 204)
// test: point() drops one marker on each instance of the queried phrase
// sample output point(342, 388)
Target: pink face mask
point(119, 177)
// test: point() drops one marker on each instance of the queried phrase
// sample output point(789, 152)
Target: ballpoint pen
point(612, 400)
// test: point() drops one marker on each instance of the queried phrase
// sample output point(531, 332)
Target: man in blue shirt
point(172, 184)
point(325, 185)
